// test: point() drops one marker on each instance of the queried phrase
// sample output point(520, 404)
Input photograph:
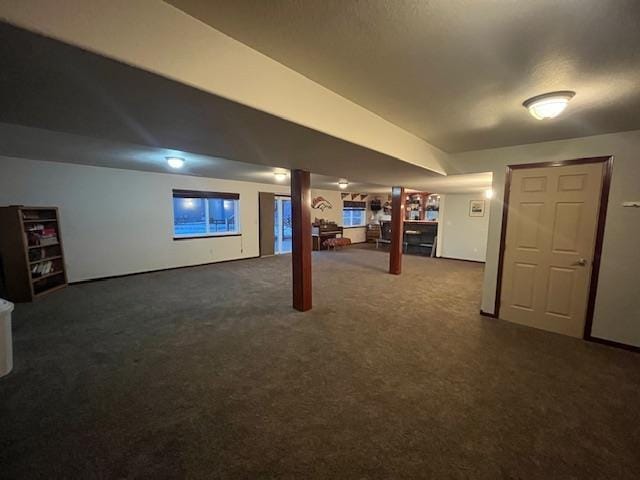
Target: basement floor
point(207, 372)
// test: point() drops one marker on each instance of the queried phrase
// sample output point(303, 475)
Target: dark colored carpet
point(207, 372)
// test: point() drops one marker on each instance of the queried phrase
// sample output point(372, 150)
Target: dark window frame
point(208, 195)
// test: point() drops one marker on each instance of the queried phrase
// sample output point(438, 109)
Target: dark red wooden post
point(301, 244)
point(397, 230)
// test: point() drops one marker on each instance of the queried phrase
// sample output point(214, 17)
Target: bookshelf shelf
point(46, 259)
point(44, 246)
point(41, 220)
point(52, 289)
point(31, 269)
point(48, 275)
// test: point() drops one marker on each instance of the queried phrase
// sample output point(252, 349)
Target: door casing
point(602, 215)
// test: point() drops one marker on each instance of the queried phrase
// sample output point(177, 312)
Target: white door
point(549, 246)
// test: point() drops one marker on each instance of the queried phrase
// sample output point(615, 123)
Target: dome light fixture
point(175, 162)
point(342, 184)
point(548, 105)
point(280, 176)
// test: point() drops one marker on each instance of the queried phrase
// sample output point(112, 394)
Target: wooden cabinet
point(373, 232)
point(31, 252)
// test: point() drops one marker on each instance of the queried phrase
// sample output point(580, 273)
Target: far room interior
point(319, 240)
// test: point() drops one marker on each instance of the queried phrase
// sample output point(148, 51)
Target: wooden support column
point(397, 230)
point(301, 243)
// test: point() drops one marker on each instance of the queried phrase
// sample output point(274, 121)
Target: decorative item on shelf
point(375, 205)
point(344, 195)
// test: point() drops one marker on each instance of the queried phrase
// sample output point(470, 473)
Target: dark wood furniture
point(385, 235)
point(373, 232)
point(421, 236)
point(417, 236)
point(322, 231)
point(31, 252)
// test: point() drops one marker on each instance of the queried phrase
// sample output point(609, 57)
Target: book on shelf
point(42, 268)
point(41, 235)
point(30, 215)
point(44, 241)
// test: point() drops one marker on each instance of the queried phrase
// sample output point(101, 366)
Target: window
point(433, 207)
point(205, 214)
point(354, 214)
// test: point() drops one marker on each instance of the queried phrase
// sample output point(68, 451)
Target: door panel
point(567, 183)
point(549, 246)
point(530, 222)
point(524, 281)
point(566, 227)
point(266, 200)
point(560, 288)
point(534, 184)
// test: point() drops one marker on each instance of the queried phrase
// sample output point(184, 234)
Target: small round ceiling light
point(175, 162)
point(548, 105)
point(343, 184)
point(280, 176)
point(488, 194)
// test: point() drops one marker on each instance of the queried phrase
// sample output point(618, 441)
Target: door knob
point(581, 262)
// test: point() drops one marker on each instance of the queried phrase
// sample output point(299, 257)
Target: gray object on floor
point(208, 372)
point(6, 344)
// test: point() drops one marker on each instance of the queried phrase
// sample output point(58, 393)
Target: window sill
point(355, 226)
point(193, 237)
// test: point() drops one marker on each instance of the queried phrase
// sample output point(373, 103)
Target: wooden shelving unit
point(31, 252)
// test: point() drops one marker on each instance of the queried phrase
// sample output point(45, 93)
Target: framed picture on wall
point(476, 208)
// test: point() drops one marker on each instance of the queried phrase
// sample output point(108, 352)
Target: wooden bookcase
point(31, 252)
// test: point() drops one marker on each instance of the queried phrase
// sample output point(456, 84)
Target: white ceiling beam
point(157, 37)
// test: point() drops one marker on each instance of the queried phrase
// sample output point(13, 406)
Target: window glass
point(222, 215)
point(204, 215)
point(353, 217)
point(189, 216)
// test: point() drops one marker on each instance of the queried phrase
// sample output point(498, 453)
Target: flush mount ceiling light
point(488, 194)
point(280, 176)
point(548, 105)
point(343, 184)
point(175, 162)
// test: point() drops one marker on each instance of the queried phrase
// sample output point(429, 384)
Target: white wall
point(459, 235)
point(116, 222)
point(334, 214)
point(617, 312)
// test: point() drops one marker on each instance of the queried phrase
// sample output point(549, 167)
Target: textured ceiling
point(455, 72)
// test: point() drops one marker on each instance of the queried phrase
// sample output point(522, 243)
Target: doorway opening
point(282, 228)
